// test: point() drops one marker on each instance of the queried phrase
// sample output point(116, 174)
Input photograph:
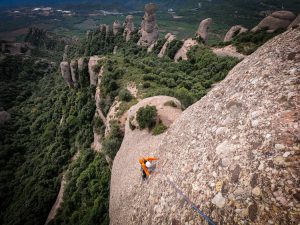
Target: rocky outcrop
point(136, 143)
point(277, 20)
point(149, 28)
point(203, 29)
point(128, 27)
point(115, 50)
point(233, 31)
point(93, 62)
point(186, 47)
point(229, 50)
point(82, 64)
point(74, 71)
point(116, 27)
point(295, 23)
point(4, 117)
point(66, 73)
point(235, 153)
point(169, 37)
point(66, 51)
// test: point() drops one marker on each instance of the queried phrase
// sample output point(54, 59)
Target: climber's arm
point(151, 158)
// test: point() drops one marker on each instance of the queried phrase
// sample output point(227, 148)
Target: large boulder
point(128, 27)
point(4, 117)
point(296, 22)
point(74, 71)
point(116, 27)
point(277, 20)
point(126, 168)
point(169, 38)
point(203, 29)
point(149, 28)
point(235, 153)
point(66, 73)
point(186, 47)
point(233, 31)
point(93, 62)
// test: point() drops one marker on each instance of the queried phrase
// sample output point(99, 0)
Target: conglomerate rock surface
point(235, 153)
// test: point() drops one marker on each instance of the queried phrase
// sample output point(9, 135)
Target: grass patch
point(159, 129)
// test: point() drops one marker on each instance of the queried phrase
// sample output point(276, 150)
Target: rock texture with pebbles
point(235, 152)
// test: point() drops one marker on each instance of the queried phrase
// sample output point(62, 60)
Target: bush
point(125, 95)
point(159, 129)
point(184, 96)
point(146, 85)
point(146, 116)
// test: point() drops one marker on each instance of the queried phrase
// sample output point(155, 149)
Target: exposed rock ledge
point(136, 143)
point(235, 153)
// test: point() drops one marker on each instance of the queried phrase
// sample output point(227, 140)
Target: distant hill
point(138, 4)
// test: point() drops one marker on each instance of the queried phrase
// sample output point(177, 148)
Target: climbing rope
point(187, 199)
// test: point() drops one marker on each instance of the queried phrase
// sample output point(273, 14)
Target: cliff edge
point(235, 153)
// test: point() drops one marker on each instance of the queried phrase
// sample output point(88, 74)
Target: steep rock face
point(235, 153)
point(4, 117)
point(137, 143)
point(169, 37)
point(182, 52)
point(275, 21)
point(203, 28)
point(233, 31)
point(149, 28)
point(128, 27)
point(66, 73)
point(92, 70)
point(296, 22)
point(74, 71)
point(82, 64)
point(116, 27)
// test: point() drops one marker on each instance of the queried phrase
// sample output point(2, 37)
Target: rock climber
point(147, 167)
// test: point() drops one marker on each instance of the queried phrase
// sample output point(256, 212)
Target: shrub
point(146, 85)
point(146, 116)
point(184, 96)
point(159, 129)
point(125, 95)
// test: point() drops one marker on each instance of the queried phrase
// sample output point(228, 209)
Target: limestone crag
point(128, 27)
point(94, 60)
point(277, 20)
point(116, 27)
point(186, 47)
point(82, 64)
point(169, 38)
point(74, 71)
point(203, 29)
point(235, 153)
point(149, 28)
point(233, 31)
point(66, 73)
point(296, 22)
point(66, 51)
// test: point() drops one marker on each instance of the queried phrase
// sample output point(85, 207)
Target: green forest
point(51, 123)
